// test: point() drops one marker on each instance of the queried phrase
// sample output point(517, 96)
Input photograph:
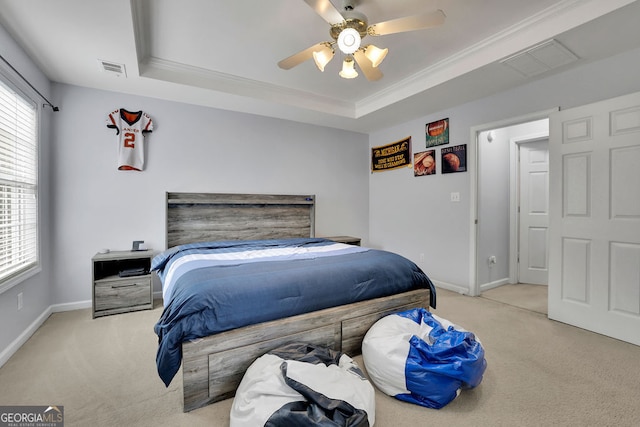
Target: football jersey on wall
point(130, 129)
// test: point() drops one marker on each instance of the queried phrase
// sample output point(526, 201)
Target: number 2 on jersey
point(129, 140)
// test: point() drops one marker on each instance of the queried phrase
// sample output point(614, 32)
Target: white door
point(594, 229)
point(534, 212)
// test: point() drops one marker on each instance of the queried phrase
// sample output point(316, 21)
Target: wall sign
point(454, 159)
point(437, 133)
point(391, 156)
point(424, 163)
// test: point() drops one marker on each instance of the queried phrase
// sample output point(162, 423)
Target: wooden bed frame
point(212, 367)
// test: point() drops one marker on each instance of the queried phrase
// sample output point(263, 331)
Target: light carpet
point(529, 297)
point(540, 373)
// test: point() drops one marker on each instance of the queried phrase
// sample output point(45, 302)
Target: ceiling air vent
point(540, 58)
point(112, 68)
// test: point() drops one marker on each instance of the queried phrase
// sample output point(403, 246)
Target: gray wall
point(495, 173)
point(192, 149)
point(86, 204)
point(493, 206)
point(15, 324)
point(414, 215)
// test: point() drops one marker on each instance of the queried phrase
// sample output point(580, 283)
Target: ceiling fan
point(347, 31)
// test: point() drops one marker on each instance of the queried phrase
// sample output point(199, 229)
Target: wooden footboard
point(214, 366)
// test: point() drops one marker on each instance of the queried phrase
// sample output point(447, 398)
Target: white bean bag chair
point(418, 357)
point(303, 385)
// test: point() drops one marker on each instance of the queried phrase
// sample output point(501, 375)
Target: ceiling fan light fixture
point(375, 54)
point(323, 57)
point(348, 71)
point(349, 41)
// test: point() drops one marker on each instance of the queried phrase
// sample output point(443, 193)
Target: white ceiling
point(224, 54)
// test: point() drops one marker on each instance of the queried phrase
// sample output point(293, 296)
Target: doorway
point(497, 215)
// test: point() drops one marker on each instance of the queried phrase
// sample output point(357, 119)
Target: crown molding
point(537, 28)
point(542, 26)
point(171, 71)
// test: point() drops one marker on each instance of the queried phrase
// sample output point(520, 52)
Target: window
point(18, 186)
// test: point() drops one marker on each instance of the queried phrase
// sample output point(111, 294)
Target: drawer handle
point(124, 286)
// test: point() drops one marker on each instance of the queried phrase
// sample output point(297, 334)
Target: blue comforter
point(218, 286)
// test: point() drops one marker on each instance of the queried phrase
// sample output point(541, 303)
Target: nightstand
point(345, 239)
point(121, 282)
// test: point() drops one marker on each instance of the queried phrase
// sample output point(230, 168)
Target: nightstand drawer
point(114, 290)
point(123, 293)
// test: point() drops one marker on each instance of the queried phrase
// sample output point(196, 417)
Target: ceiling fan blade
point(326, 10)
point(408, 23)
point(300, 57)
point(370, 72)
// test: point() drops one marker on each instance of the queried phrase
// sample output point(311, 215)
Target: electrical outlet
point(20, 301)
point(455, 197)
point(492, 259)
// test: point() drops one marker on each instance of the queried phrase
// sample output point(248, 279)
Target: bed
point(217, 337)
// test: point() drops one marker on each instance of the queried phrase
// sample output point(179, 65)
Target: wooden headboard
point(200, 217)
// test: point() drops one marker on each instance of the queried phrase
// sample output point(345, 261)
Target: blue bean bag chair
point(303, 385)
point(418, 357)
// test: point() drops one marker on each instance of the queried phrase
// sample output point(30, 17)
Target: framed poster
point(437, 133)
point(424, 163)
point(454, 159)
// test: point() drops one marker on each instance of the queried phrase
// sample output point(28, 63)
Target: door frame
point(472, 164)
point(514, 199)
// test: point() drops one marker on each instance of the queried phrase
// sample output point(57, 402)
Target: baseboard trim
point(12, 348)
point(70, 306)
point(24, 336)
point(451, 287)
point(494, 284)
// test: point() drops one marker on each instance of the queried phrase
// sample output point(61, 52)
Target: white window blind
point(18, 184)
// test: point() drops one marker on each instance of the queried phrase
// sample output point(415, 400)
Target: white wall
point(192, 149)
point(14, 323)
point(414, 216)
